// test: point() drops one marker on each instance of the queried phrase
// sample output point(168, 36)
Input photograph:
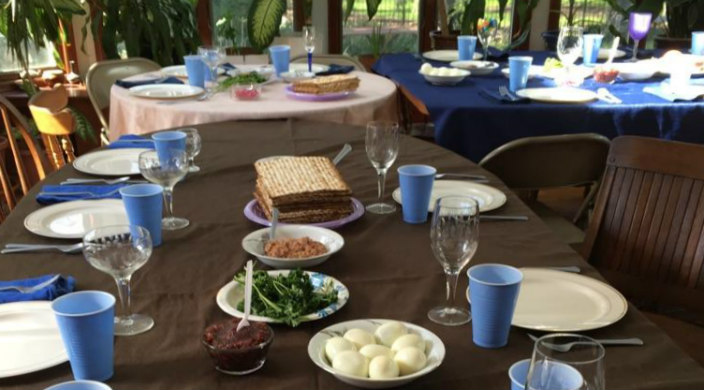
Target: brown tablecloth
point(387, 265)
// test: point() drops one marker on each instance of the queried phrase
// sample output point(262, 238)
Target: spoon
point(612, 52)
point(274, 223)
point(247, 295)
point(344, 152)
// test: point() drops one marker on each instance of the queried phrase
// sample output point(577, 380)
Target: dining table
point(387, 265)
point(470, 122)
point(375, 99)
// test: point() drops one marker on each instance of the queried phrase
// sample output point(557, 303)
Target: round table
point(374, 100)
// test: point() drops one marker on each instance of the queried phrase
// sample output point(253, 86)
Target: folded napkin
point(61, 286)
point(495, 95)
point(131, 141)
point(664, 91)
point(227, 66)
point(336, 69)
point(50, 194)
point(129, 84)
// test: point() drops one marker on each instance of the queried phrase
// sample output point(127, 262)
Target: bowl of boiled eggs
point(376, 353)
point(443, 76)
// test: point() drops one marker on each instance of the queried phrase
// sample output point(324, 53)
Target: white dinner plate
point(29, 337)
point(75, 219)
point(489, 198)
point(180, 71)
point(232, 293)
point(534, 71)
point(556, 301)
point(110, 162)
point(447, 55)
point(303, 67)
point(166, 91)
point(558, 95)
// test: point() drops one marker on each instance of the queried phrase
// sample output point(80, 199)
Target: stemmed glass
point(193, 145)
point(166, 171)
point(212, 56)
point(120, 251)
point(309, 35)
point(638, 27)
point(381, 143)
point(454, 238)
point(569, 45)
point(486, 29)
point(557, 365)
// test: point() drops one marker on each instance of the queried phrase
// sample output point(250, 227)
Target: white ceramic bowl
point(253, 244)
point(296, 75)
point(446, 80)
point(434, 351)
point(477, 68)
point(636, 71)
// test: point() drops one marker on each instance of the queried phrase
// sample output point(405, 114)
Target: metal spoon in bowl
point(247, 295)
point(274, 223)
point(612, 51)
point(344, 152)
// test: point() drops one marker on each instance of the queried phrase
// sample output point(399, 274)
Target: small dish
point(242, 356)
point(254, 242)
point(638, 71)
point(296, 75)
point(246, 91)
point(478, 68)
point(446, 81)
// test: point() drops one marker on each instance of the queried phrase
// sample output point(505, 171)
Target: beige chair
point(327, 59)
point(530, 164)
point(102, 75)
point(56, 123)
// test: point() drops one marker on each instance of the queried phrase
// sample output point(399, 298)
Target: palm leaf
point(264, 20)
point(349, 6)
point(372, 8)
point(472, 12)
point(502, 8)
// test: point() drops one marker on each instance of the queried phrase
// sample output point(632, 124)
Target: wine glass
point(486, 29)
point(309, 35)
point(381, 143)
point(212, 56)
point(557, 365)
point(193, 145)
point(569, 46)
point(120, 251)
point(454, 238)
point(166, 171)
point(638, 27)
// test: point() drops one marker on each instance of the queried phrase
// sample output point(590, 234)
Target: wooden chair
point(56, 123)
point(327, 59)
point(527, 165)
point(16, 128)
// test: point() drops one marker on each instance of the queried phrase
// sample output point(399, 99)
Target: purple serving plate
point(316, 98)
point(255, 214)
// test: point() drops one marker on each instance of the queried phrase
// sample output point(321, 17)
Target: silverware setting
point(31, 289)
point(504, 92)
point(460, 176)
point(79, 193)
point(503, 217)
point(568, 346)
point(17, 248)
point(605, 95)
point(122, 179)
point(200, 98)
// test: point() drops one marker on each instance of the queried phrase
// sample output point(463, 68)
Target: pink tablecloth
point(374, 100)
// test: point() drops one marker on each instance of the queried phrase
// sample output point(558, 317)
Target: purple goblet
point(638, 27)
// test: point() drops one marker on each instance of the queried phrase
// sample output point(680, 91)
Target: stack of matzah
point(304, 189)
point(327, 84)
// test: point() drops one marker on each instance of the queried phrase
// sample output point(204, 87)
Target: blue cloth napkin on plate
point(129, 84)
point(227, 66)
point(50, 194)
point(336, 69)
point(495, 95)
point(131, 141)
point(62, 285)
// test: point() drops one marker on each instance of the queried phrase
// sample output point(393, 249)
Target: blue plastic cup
point(144, 205)
point(493, 291)
point(195, 68)
point(168, 141)
point(592, 44)
point(554, 375)
point(518, 68)
point(79, 385)
point(87, 327)
point(416, 187)
point(697, 43)
point(466, 44)
point(280, 57)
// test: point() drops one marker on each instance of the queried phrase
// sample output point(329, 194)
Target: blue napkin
point(495, 95)
point(62, 285)
point(50, 194)
point(136, 83)
point(227, 66)
point(131, 141)
point(336, 69)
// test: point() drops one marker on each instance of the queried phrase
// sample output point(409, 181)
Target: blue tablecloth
point(473, 125)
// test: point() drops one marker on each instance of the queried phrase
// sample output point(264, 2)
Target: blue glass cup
point(697, 43)
point(466, 44)
point(518, 68)
point(86, 322)
point(166, 142)
point(144, 205)
point(416, 186)
point(493, 292)
point(280, 57)
point(518, 373)
point(79, 385)
point(554, 375)
point(196, 70)
point(590, 48)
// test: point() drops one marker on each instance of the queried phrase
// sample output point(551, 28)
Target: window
point(38, 57)
point(396, 19)
point(234, 12)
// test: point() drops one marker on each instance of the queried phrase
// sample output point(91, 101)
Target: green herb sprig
point(250, 77)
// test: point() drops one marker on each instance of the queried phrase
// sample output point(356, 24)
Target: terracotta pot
point(438, 41)
point(667, 43)
point(367, 60)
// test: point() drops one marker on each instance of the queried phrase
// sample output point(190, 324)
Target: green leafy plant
point(379, 42)
point(372, 8)
point(264, 21)
point(225, 28)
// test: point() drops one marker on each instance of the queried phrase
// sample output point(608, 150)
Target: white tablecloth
point(374, 100)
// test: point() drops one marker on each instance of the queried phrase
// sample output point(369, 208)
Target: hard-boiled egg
point(389, 332)
point(444, 71)
point(409, 360)
point(408, 340)
point(383, 367)
point(351, 363)
point(336, 345)
point(373, 350)
point(426, 68)
point(434, 72)
point(359, 337)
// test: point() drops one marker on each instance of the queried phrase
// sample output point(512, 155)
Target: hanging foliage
point(264, 21)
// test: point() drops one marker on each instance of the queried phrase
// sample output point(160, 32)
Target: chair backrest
point(327, 59)
point(647, 232)
point(102, 75)
point(56, 123)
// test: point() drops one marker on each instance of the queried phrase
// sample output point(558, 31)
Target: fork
point(76, 180)
point(92, 194)
point(568, 346)
point(460, 176)
point(503, 91)
point(200, 98)
point(16, 248)
point(31, 289)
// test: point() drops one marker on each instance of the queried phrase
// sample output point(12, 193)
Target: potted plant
point(379, 43)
